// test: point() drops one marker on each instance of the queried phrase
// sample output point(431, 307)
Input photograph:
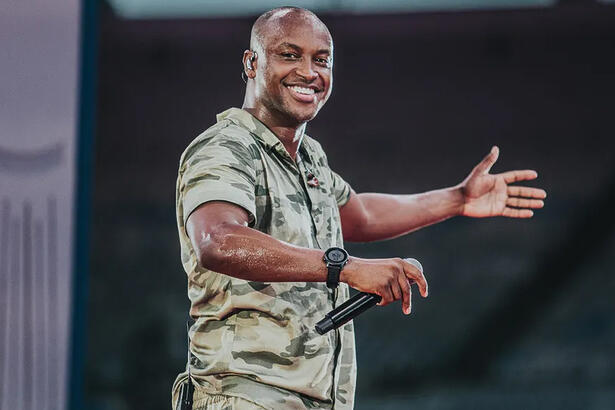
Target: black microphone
point(353, 307)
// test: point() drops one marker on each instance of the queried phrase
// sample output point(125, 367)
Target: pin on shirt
point(311, 179)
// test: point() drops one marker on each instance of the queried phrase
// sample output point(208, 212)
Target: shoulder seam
point(212, 132)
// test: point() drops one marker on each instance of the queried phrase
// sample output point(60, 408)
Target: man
point(258, 212)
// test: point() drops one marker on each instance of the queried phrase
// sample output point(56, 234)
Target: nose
point(306, 70)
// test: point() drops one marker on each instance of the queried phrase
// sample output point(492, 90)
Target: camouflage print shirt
point(256, 340)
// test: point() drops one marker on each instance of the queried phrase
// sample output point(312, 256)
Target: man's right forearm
point(246, 253)
point(223, 242)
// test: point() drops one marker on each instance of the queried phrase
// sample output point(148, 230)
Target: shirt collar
point(260, 131)
point(246, 120)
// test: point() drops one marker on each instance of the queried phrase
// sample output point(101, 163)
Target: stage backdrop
point(39, 67)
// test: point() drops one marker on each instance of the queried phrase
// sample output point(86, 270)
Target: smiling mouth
point(303, 94)
point(302, 90)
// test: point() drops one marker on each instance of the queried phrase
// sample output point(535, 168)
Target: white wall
point(39, 43)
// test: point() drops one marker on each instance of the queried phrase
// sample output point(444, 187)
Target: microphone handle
point(348, 310)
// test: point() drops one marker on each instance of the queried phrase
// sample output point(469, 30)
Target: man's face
point(294, 78)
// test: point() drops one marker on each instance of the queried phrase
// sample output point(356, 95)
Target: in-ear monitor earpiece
point(250, 61)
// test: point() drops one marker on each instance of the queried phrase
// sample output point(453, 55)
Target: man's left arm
point(371, 216)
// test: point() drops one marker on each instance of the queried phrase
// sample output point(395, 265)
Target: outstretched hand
point(488, 194)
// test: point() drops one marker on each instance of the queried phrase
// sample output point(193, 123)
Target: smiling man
point(262, 219)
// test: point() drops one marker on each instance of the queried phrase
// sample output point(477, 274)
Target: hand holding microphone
point(381, 281)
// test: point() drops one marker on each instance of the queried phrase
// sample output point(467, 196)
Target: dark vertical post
point(28, 312)
point(54, 300)
point(85, 138)
point(4, 294)
point(38, 307)
point(14, 314)
point(4, 290)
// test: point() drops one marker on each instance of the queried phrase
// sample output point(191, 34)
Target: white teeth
point(302, 90)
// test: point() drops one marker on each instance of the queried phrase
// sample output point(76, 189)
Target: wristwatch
point(335, 259)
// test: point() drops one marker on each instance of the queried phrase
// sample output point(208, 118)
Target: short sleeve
point(220, 169)
point(340, 188)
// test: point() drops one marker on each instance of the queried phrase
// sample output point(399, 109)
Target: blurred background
point(520, 313)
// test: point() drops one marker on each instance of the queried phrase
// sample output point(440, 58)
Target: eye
point(290, 56)
point(322, 61)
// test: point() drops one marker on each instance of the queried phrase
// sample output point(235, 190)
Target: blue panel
point(85, 137)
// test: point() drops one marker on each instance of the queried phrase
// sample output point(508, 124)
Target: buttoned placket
point(296, 168)
point(304, 171)
point(304, 165)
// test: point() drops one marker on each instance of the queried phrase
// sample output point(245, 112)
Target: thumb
point(485, 165)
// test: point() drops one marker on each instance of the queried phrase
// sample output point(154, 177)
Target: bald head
point(275, 23)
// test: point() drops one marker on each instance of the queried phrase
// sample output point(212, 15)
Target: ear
point(249, 63)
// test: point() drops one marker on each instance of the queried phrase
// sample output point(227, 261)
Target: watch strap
point(333, 275)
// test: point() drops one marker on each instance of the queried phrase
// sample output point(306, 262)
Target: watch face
point(336, 255)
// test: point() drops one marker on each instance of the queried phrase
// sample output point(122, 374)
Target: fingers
point(527, 192)
point(406, 302)
point(485, 165)
point(521, 200)
point(386, 295)
point(413, 274)
point(396, 284)
point(396, 290)
point(517, 213)
point(524, 203)
point(519, 175)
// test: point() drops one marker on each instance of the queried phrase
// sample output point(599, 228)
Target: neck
point(290, 137)
point(289, 133)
